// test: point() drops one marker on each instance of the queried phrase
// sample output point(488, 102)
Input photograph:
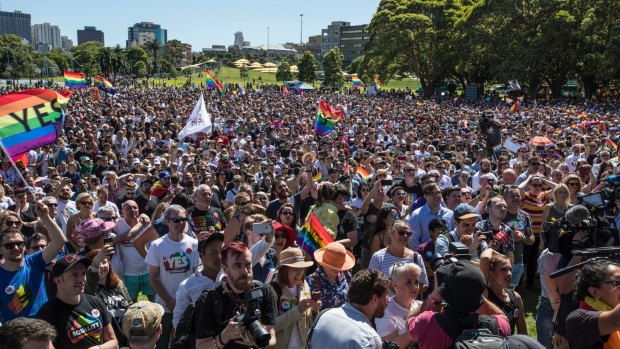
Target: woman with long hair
point(556, 209)
point(497, 270)
point(295, 307)
point(287, 216)
point(84, 203)
point(379, 238)
point(104, 283)
point(575, 186)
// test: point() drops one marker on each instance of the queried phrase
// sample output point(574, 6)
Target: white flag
point(199, 120)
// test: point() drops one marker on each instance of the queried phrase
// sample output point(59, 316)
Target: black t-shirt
point(415, 189)
point(213, 217)
point(205, 317)
point(144, 206)
point(582, 330)
point(78, 326)
point(348, 222)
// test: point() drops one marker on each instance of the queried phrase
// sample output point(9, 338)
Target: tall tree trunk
point(589, 85)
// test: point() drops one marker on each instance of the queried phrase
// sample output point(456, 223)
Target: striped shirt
point(382, 261)
point(534, 206)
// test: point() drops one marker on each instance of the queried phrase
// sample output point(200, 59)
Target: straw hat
point(335, 256)
point(307, 154)
point(293, 257)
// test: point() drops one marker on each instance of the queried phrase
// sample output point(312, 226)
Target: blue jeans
point(517, 272)
point(544, 322)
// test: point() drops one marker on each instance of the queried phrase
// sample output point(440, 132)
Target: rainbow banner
point(362, 172)
point(104, 84)
point(30, 119)
point(158, 190)
point(508, 100)
point(213, 83)
point(356, 81)
point(582, 115)
point(313, 236)
point(326, 119)
point(377, 83)
point(610, 145)
point(75, 80)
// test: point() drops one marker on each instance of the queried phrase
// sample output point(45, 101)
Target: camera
point(457, 251)
point(250, 318)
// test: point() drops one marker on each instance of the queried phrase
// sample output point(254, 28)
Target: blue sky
point(201, 23)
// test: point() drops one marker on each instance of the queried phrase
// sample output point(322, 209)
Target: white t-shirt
point(64, 212)
point(190, 290)
point(394, 318)
point(132, 261)
point(176, 262)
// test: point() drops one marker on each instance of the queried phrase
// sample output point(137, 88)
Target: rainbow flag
point(313, 236)
point(213, 83)
point(158, 190)
point(377, 83)
point(30, 119)
point(610, 145)
point(508, 100)
point(356, 81)
point(362, 172)
point(219, 226)
point(515, 107)
point(582, 115)
point(104, 84)
point(420, 103)
point(326, 119)
point(558, 130)
point(317, 177)
point(573, 126)
point(75, 80)
point(520, 99)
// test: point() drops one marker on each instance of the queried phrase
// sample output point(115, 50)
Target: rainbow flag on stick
point(610, 145)
point(515, 107)
point(317, 177)
point(313, 236)
point(362, 172)
point(356, 81)
point(377, 83)
point(104, 84)
point(75, 80)
point(582, 115)
point(326, 119)
point(30, 119)
point(213, 83)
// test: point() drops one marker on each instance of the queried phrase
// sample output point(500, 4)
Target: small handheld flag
point(356, 81)
point(75, 80)
point(377, 83)
point(213, 83)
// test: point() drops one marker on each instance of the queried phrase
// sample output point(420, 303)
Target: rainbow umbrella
point(541, 140)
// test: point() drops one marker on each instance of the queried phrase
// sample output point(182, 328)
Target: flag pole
point(15, 167)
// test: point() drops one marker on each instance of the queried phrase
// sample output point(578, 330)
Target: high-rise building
point(330, 37)
point(238, 39)
point(17, 23)
point(46, 34)
point(146, 31)
point(90, 34)
point(66, 43)
point(352, 41)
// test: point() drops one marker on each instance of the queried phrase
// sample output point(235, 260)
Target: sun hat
point(293, 257)
point(95, 227)
point(141, 320)
point(335, 256)
point(290, 233)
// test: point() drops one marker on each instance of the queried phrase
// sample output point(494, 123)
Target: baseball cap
point(141, 320)
point(461, 284)
point(68, 261)
point(465, 211)
point(208, 237)
point(164, 174)
point(156, 161)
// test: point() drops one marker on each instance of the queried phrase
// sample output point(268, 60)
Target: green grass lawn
point(530, 301)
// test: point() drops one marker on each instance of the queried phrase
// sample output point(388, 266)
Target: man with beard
point(217, 329)
point(367, 299)
point(21, 277)
point(282, 197)
point(66, 207)
point(485, 167)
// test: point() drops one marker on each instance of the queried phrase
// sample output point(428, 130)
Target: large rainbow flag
point(213, 83)
point(75, 80)
point(326, 119)
point(104, 84)
point(362, 172)
point(313, 236)
point(356, 81)
point(30, 119)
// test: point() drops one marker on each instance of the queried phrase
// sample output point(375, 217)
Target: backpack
point(483, 335)
point(185, 333)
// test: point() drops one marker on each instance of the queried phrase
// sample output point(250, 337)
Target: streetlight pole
point(267, 42)
point(301, 29)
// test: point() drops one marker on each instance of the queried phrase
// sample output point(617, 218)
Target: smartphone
point(487, 234)
point(261, 228)
point(316, 295)
point(540, 148)
point(108, 242)
point(387, 182)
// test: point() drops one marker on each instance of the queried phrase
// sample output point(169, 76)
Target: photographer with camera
point(240, 313)
point(465, 217)
point(596, 324)
point(460, 284)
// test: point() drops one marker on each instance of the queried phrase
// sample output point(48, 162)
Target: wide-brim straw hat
point(335, 256)
point(293, 257)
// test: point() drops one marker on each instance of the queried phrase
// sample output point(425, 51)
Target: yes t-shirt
point(78, 326)
point(22, 292)
point(176, 260)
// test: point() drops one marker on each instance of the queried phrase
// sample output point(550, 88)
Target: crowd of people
point(120, 234)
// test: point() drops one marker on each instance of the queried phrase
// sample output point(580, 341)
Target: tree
point(153, 46)
point(138, 60)
point(59, 57)
point(173, 54)
point(307, 66)
point(332, 66)
point(16, 58)
point(88, 57)
point(284, 72)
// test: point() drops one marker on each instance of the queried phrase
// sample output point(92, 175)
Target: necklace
point(234, 297)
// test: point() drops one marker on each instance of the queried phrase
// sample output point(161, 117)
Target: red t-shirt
point(426, 331)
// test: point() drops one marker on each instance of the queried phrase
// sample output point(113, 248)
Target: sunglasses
point(287, 213)
point(280, 236)
point(12, 223)
point(11, 245)
point(573, 184)
point(108, 219)
point(87, 203)
point(536, 185)
point(177, 219)
point(52, 204)
point(406, 233)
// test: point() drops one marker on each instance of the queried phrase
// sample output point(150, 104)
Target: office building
point(66, 43)
point(90, 34)
point(146, 31)
point(330, 37)
point(46, 34)
point(352, 41)
point(17, 23)
point(238, 39)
